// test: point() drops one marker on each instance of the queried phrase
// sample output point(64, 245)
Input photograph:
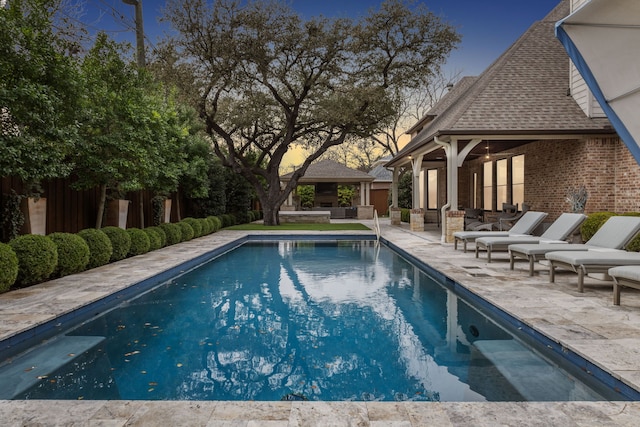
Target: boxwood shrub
point(100, 248)
point(634, 244)
point(195, 225)
point(217, 223)
point(206, 225)
point(140, 242)
point(8, 267)
point(173, 233)
point(73, 253)
point(593, 223)
point(161, 234)
point(405, 215)
point(186, 231)
point(120, 242)
point(155, 241)
point(37, 258)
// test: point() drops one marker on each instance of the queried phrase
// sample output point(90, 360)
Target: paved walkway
point(586, 323)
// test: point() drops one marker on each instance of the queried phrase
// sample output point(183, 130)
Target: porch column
point(363, 186)
point(416, 167)
point(394, 187)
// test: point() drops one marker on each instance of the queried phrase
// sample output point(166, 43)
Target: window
point(501, 183)
point(508, 183)
point(487, 186)
point(432, 189)
point(517, 180)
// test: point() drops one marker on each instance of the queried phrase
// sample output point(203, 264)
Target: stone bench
point(305, 217)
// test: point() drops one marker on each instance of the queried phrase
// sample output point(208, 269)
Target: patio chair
point(591, 261)
point(510, 215)
point(472, 217)
point(525, 225)
point(558, 232)
point(627, 276)
point(614, 234)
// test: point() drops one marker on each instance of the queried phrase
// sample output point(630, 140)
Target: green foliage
point(155, 241)
point(140, 242)
point(634, 244)
point(8, 267)
point(40, 93)
point(206, 225)
point(186, 231)
point(405, 191)
point(120, 242)
point(345, 194)
point(37, 258)
point(227, 220)
point(593, 223)
point(215, 202)
point(12, 216)
point(73, 253)
point(195, 225)
point(100, 248)
point(405, 215)
point(217, 223)
point(172, 232)
point(239, 195)
point(161, 233)
point(306, 193)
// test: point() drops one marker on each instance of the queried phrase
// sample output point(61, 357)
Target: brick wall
point(604, 166)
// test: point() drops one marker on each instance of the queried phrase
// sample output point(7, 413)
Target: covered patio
point(325, 176)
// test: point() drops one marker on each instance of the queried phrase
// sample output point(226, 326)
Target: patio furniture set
point(602, 253)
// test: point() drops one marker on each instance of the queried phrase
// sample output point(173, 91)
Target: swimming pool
point(314, 320)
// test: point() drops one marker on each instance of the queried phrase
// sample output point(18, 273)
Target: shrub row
point(595, 220)
point(30, 259)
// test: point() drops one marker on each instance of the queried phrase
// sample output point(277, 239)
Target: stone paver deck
point(587, 323)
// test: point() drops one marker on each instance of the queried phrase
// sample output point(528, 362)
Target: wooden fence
point(70, 211)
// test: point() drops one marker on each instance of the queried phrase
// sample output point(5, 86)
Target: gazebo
point(326, 175)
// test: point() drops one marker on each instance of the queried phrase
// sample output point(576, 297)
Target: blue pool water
point(345, 320)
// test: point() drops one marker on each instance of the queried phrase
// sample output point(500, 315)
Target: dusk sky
point(488, 27)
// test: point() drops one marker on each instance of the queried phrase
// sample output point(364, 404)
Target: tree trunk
point(101, 203)
point(271, 214)
point(141, 194)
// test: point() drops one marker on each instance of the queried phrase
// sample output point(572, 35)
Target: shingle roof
point(330, 171)
point(525, 91)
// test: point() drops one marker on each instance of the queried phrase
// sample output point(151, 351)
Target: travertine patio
point(586, 323)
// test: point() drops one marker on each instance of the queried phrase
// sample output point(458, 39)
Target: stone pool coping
point(586, 323)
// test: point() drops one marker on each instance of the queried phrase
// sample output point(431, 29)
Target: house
point(526, 130)
point(325, 176)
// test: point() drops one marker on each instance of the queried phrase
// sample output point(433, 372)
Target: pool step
point(533, 377)
point(25, 371)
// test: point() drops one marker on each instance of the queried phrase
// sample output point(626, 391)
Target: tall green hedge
point(73, 253)
point(8, 267)
point(37, 258)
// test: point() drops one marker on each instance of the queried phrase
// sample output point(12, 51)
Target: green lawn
point(309, 227)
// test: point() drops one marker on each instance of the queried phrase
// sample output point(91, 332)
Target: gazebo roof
point(330, 171)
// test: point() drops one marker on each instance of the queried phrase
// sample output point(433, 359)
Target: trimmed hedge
point(120, 242)
point(73, 253)
point(161, 234)
point(593, 222)
point(155, 241)
point(217, 223)
point(8, 267)
point(186, 231)
point(37, 258)
point(195, 225)
point(207, 227)
point(173, 233)
point(100, 248)
point(227, 220)
point(405, 215)
point(140, 242)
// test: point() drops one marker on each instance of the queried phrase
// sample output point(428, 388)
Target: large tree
point(39, 94)
point(268, 80)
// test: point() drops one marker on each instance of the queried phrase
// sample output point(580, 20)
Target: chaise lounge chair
point(627, 276)
point(614, 234)
point(525, 225)
point(591, 261)
point(558, 232)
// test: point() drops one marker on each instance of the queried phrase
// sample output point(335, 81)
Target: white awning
point(602, 39)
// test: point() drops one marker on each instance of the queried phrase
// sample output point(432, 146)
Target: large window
point(506, 182)
point(432, 189)
point(517, 180)
point(487, 186)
